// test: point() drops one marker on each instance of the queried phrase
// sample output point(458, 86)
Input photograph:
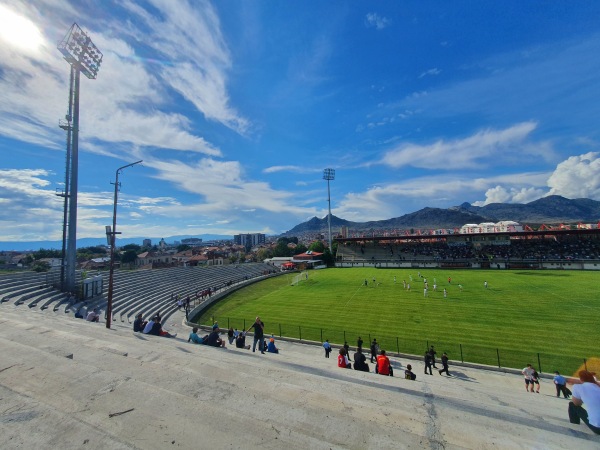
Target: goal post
point(303, 276)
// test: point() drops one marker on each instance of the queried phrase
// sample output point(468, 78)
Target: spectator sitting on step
point(343, 361)
point(409, 374)
point(585, 390)
point(360, 361)
point(271, 348)
point(213, 338)
point(194, 337)
point(93, 316)
point(383, 366)
point(240, 341)
point(139, 324)
point(154, 327)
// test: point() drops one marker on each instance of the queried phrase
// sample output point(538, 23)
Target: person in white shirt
point(148, 326)
point(93, 316)
point(585, 390)
point(528, 375)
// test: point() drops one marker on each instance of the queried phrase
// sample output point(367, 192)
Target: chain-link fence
point(467, 353)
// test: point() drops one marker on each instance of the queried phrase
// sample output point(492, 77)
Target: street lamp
point(84, 57)
point(111, 236)
point(329, 174)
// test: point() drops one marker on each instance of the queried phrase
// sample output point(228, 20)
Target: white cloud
point(124, 104)
point(501, 194)
point(484, 148)
point(377, 21)
point(296, 169)
point(432, 72)
point(223, 188)
point(190, 38)
point(395, 199)
point(577, 177)
point(29, 209)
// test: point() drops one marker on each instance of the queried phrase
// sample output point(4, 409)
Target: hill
point(551, 209)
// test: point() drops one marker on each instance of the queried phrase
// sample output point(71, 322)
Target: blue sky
point(236, 107)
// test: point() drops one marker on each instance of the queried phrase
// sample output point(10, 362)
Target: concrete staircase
point(67, 383)
point(145, 291)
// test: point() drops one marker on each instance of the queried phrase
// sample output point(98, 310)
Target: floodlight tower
point(329, 174)
point(83, 56)
point(111, 236)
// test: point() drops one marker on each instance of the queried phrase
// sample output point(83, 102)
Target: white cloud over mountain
point(481, 149)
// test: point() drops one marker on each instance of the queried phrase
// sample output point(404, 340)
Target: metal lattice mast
point(329, 174)
point(84, 57)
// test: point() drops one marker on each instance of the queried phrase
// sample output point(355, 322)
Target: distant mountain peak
point(550, 209)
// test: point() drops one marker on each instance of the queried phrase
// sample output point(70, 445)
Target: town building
point(249, 239)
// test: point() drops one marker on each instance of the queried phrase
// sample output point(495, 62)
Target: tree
point(134, 247)
point(263, 253)
point(282, 249)
point(40, 266)
point(328, 258)
point(46, 253)
point(183, 247)
point(300, 248)
point(90, 252)
point(128, 256)
point(317, 246)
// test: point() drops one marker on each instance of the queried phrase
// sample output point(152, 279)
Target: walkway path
point(66, 383)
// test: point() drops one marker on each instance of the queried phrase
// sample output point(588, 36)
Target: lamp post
point(329, 174)
point(111, 235)
point(84, 57)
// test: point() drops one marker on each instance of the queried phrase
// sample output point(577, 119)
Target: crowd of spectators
point(548, 249)
point(586, 389)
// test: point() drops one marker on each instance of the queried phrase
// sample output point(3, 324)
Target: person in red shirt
point(343, 359)
point(383, 366)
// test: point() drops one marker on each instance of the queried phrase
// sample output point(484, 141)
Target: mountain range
point(553, 209)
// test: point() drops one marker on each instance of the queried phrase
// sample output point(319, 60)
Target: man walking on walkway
point(374, 348)
point(428, 363)
point(561, 385)
point(259, 327)
point(528, 376)
point(432, 353)
point(444, 364)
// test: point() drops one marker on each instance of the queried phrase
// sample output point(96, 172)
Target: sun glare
point(19, 31)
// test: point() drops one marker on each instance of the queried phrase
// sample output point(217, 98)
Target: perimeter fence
point(470, 353)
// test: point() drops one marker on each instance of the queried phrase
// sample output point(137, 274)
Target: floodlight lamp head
point(79, 51)
point(329, 174)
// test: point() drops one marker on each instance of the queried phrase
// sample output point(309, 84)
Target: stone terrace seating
point(146, 291)
point(86, 386)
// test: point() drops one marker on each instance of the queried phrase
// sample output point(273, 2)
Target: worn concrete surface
point(63, 383)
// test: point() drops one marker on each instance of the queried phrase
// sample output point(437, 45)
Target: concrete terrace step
point(143, 290)
point(172, 393)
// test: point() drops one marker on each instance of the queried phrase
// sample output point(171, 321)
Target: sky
point(236, 108)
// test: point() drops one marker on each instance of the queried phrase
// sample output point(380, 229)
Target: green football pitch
point(547, 318)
